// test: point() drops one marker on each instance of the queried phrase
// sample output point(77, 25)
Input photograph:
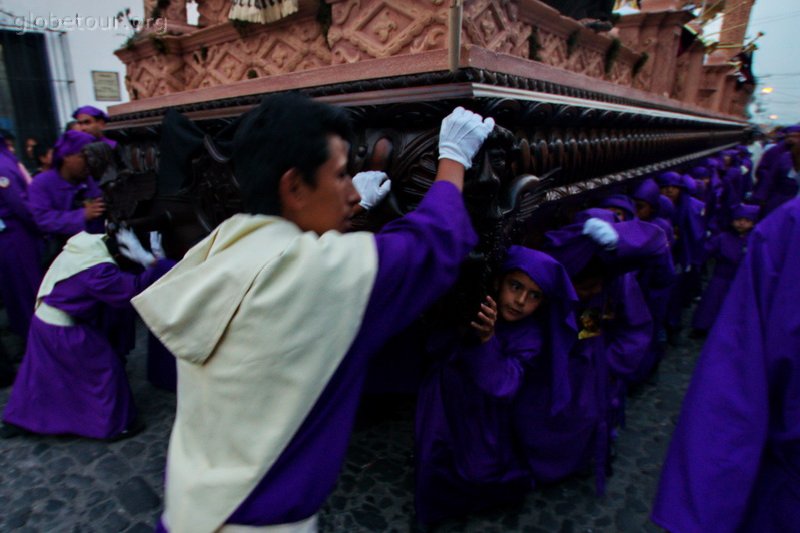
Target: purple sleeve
point(418, 261)
point(496, 369)
point(12, 202)
point(628, 340)
point(107, 283)
point(48, 217)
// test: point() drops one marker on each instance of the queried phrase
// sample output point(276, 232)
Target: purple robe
point(734, 460)
point(57, 205)
point(466, 452)
point(162, 369)
point(687, 251)
point(779, 185)
point(727, 249)
point(465, 455)
point(71, 381)
point(765, 172)
point(20, 259)
point(418, 260)
point(562, 444)
point(557, 445)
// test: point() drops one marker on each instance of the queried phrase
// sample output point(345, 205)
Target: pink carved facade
point(639, 54)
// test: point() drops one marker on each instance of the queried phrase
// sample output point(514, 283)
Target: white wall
point(86, 37)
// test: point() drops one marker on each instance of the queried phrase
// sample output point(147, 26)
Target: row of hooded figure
point(535, 393)
point(66, 285)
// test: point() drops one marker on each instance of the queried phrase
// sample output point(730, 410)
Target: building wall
point(82, 36)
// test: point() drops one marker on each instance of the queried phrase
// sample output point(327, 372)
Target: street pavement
point(69, 484)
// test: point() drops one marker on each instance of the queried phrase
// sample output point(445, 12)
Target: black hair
point(40, 150)
point(285, 131)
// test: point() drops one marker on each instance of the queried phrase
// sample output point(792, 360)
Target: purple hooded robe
point(781, 182)
point(20, 260)
point(71, 381)
point(734, 461)
point(727, 249)
point(468, 411)
point(57, 204)
point(609, 352)
point(688, 249)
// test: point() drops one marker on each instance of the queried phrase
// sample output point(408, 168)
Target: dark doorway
point(27, 108)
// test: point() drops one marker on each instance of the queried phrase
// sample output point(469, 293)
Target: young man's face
point(519, 296)
point(329, 205)
point(91, 125)
point(743, 225)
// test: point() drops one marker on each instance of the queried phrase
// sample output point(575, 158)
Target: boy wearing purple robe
point(20, 241)
point(687, 251)
point(615, 330)
point(733, 464)
point(71, 381)
point(656, 288)
point(467, 456)
point(290, 155)
point(66, 200)
point(727, 249)
point(93, 121)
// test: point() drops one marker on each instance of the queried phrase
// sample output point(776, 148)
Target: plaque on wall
point(106, 86)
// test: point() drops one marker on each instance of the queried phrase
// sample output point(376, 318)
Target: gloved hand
point(601, 232)
point(372, 186)
point(130, 247)
point(462, 134)
point(155, 245)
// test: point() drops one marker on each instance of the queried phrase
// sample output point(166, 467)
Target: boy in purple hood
point(727, 249)
point(615, 330)
point(483, 388)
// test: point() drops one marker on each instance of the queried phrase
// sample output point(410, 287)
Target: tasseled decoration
point(262, 11)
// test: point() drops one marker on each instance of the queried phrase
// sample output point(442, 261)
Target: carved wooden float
point(570, 120)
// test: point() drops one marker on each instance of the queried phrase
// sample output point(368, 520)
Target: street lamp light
point(773, 117)
point(767, 90)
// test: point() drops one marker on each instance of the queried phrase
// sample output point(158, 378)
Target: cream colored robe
point(259, 316)
point(81, 252)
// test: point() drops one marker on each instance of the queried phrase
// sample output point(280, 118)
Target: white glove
point(601, 232)
point(372, 186)
point(462, 134)
point(130, 247)
point(155, 245)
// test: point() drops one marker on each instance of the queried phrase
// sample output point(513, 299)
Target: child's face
point(519, 296)
point(743, 225)
point(644, 210)
point(621, 215)
point(672, 192)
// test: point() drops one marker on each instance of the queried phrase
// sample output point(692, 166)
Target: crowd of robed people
point(272, 356)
